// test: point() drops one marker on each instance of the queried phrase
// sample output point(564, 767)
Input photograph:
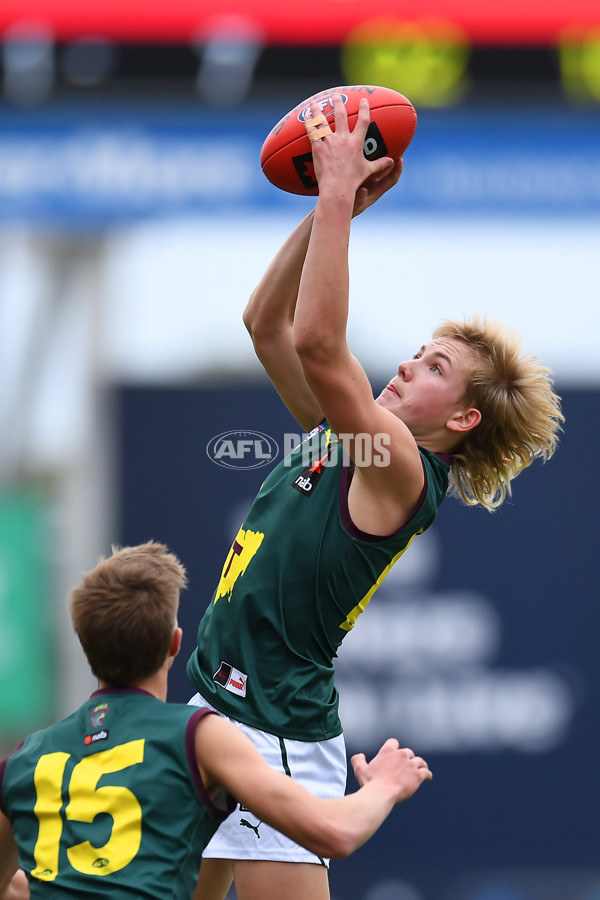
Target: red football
point(286, 156)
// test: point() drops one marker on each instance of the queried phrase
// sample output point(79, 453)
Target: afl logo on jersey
point(242, 449)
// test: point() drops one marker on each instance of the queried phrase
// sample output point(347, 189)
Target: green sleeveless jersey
point(295, 580)
point(109, 802)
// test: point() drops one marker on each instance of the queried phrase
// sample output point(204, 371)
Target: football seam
point(300, 136)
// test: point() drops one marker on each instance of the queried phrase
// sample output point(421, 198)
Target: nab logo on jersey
point(307, 481)
point(305, 484)
point(98, 736)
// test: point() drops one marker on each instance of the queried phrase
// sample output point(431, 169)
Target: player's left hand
point(376, 187)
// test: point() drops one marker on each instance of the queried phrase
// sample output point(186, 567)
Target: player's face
point(429, 389)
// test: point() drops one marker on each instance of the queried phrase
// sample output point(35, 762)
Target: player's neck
point(155, 684)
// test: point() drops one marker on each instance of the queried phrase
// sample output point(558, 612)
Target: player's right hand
point(393, 764)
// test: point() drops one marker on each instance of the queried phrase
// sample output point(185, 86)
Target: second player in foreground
point(119, 798)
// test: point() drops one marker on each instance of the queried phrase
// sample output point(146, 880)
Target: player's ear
point(465, 420)
point(176, 642)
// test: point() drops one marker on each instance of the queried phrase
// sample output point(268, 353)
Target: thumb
point(381, 167)
point(358, 762)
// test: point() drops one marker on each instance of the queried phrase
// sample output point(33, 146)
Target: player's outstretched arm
point(269, 318)
point(331, 828)
point(392, 488)
point(269, 314)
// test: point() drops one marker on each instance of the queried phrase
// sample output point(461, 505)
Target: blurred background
point(134, 223)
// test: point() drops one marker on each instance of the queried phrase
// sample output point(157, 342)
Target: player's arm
point(10, 888)
point(269, 318)
point(269, 315)
point(333, 374)
point(331, 828)
point(18, 888)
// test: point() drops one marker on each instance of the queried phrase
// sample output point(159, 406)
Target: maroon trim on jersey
point(3, 770)
point(121, 690)
point(223, 804)
point(349, 525)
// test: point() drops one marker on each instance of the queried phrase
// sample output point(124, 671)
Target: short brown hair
point(520, 412)
point(125, 612)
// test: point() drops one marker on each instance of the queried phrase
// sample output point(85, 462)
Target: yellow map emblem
point(242, 552)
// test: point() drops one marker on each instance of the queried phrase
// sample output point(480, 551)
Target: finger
point(340, 114)
point(422, 768)
point(382, 182)
point(386, 170)
point(406, 751)
point(359, 764)
point(381, 168)
point(316, 124)
point(362, 120)
point(364, 115)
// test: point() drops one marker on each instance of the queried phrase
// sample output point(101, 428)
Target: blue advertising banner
point(98, 166)
point(479, 650)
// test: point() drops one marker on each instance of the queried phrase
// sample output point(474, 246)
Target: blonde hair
point(125, 612)
point(520, 413)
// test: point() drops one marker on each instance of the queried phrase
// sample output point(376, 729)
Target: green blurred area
point(27, 653)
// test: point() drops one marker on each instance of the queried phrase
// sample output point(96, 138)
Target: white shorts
point(320, 766)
